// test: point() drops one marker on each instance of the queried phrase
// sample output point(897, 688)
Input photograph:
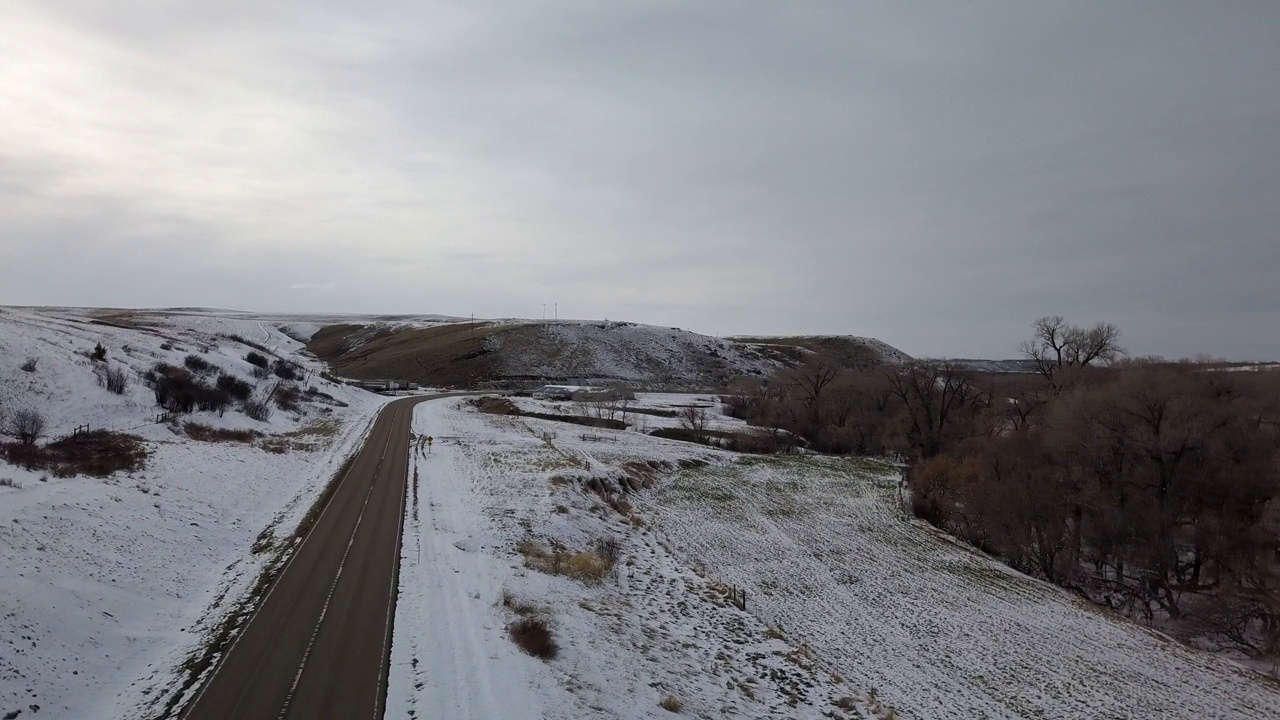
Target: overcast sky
point(933, 175)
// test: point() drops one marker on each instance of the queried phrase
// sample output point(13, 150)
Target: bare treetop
point(1059, 346)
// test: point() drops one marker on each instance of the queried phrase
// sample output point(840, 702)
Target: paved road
point(318, 644)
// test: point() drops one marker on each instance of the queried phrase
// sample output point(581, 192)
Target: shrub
point(211, 399)
point(534, 636)
point(99, 353)
point(257, 409)
point(261, 373)
point(287, 398)
point(238, 389)
point(178, 391)
point(285, 370)
point(114, 379)
point(30, 364)
point(27, 425)
point(257, 359)
point(197, 364)
point(671, 703)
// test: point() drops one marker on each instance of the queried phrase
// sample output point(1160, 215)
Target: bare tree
point(1059, 348)
point(932, 396)
point(27, 425)
point(694, 418)
point(813, 377)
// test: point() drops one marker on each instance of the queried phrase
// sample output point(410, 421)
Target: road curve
point(317, 646)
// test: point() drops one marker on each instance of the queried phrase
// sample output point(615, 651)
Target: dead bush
point(30, 364)
point(534, 636)
point(257, 409)
point(27, 425)
point(204, 433)
point(608, 549)
point(114, 379)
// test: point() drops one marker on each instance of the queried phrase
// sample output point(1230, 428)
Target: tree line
point(1148, 486)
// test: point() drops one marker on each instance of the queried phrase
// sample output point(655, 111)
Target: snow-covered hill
point(111, 584)
point(525, 352)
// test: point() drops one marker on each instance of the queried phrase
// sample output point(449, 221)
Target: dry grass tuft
point(589, 567)
point(518, 606)
point(672, 704)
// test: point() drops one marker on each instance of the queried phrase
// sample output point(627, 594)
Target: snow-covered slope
point(621, 351)
point(110, 584)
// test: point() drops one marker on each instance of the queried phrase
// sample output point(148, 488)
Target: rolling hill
point(521, 352)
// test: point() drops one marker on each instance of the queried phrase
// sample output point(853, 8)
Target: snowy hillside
point(621, 351)
point(112, 583)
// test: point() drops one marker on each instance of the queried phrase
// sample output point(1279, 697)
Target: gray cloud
point(934, 176)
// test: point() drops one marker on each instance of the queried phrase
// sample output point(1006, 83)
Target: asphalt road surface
point(317, 647)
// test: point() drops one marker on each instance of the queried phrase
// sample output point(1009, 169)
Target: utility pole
point(557, 308)
point(544, 312)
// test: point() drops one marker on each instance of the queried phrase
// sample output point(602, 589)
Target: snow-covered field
point(939, 630)
point(846, 599)
point(653, 628)
point(109, 585)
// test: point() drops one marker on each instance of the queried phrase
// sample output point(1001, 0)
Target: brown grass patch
point(589, 567)
point(204, 433)
point(672, 704)
point(99, 453)
point(534, 636)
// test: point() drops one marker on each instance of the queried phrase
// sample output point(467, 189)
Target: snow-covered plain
point(109, 585)
point(652, 629)
point(846, 598)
